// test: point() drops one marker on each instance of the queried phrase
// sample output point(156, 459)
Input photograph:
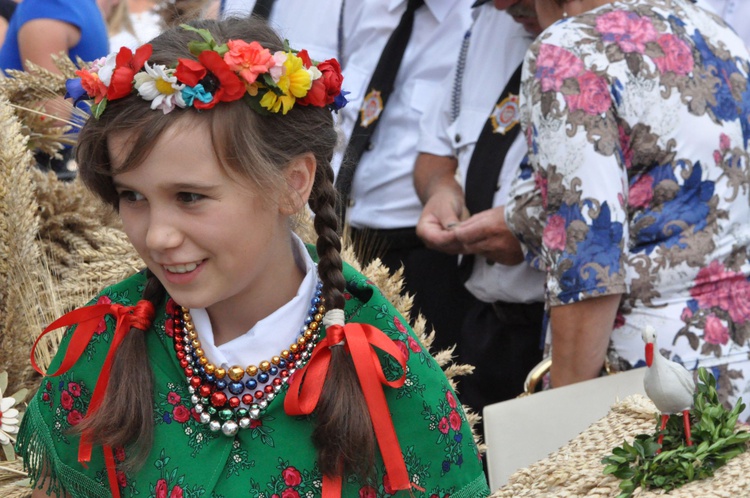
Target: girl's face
point(210, 239)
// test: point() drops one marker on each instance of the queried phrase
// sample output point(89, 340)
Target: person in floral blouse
point(636, 201)
point(241, 362)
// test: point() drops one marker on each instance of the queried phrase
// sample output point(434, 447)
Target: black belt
point(391, 239)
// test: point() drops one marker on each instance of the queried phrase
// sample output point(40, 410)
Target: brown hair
point(258, 148)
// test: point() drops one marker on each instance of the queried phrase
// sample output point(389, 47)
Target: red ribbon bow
point(307, 384)
point(88, 319)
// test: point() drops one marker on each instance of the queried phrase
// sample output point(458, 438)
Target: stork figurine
point(669, 385)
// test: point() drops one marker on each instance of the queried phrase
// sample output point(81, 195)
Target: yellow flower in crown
point(292, 79)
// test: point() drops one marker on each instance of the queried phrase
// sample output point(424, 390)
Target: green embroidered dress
point(274, 458)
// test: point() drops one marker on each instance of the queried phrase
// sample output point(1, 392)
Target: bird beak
point(649, 353)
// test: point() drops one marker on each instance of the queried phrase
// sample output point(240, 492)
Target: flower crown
point(269, 83)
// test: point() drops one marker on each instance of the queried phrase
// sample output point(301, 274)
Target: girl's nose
point(162, 235)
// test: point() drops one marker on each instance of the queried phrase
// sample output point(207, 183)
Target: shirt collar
point(438, 8)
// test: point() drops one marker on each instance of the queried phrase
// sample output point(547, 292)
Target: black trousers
point(430, 276)
point(504, 342)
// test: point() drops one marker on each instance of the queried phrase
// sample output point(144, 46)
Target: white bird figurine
point(669, 385)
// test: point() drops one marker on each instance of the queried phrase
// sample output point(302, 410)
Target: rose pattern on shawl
point(68, 400)
point(593, 96)
point(169, 469)
point(447, 421)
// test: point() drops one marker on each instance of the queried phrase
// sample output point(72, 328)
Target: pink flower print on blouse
point(715, 332)
point(677, 58)
point(715, 287)
point(628, 30)
point(554, 65)
point(540, 183)
point(593, 97)
point(555, 235)
point(641, 192)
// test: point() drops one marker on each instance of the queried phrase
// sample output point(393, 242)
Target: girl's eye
point(189, 197)
point(130, 196)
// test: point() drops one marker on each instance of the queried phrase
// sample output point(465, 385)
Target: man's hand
point(486, 234)
point(442, 213)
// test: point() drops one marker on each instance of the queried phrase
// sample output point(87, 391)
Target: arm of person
point(38, 40)
point(487, 234)
point(443, 200)
point(580, 337)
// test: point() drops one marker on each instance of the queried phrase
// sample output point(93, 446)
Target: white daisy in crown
point(159, 85)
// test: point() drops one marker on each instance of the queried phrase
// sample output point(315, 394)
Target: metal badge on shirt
point(372, 106)
point(505, 115)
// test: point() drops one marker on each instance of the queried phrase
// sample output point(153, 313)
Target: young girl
point(235, 365)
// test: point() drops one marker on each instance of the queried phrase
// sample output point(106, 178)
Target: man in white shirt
point(501, 335)
point(736, 13)
point(384, 208)
point(310, 24)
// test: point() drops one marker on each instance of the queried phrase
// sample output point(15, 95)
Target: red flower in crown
point(126, 65)
point(215, 75)
point(324, 89)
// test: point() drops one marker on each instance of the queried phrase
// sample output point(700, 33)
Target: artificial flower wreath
point(269, 83)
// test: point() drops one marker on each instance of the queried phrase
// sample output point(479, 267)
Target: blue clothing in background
point(83, 14)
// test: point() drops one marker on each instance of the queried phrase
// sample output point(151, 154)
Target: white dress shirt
point(736, 13)
point(308, 24)
point(496, 48)
point(382, 191)
point(272, 334)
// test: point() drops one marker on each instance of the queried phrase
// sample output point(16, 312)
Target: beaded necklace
point(250, 389)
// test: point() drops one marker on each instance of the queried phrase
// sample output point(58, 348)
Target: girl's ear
point(300, 176)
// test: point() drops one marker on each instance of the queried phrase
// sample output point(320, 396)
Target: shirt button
point(458, 137)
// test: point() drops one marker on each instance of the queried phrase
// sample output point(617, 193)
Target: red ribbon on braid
point(306, 386)
point(88, 319)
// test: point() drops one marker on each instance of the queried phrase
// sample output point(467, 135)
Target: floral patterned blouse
point(637, 116)
point(274, 457)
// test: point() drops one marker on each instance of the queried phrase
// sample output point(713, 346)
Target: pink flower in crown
point(715, 332)
point(593, 96)
point(629, 31)
point(641, 193)
point(278, 68)
point(555, 235)
point(554, 65)
point(455, 420)
point(677, 57)
point(248, 59)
